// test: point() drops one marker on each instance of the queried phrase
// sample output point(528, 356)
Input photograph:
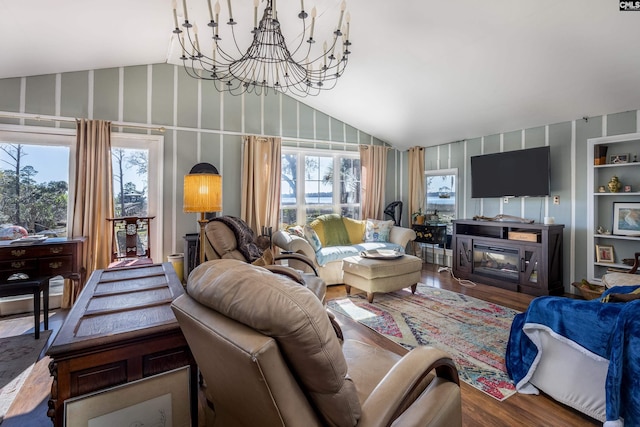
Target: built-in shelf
point(600, 205)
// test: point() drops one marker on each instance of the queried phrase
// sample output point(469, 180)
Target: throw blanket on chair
point(245, 236)
point(607, 330)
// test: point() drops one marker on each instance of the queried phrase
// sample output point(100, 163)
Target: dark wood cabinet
point(55, 256)
point(516, 256)
point(120, 330)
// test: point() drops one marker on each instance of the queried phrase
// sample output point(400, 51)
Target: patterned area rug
point(473, 331)
point(18, 355)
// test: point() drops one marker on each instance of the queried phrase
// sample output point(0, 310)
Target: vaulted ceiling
point(422, 72)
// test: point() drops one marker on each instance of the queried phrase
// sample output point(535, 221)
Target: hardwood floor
point(479, 409)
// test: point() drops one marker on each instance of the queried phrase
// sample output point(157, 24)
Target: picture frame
point(162, 399)
point(619, 158)
point(626, 219)
point(604, 253)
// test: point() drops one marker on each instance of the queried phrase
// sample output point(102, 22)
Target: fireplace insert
point(497, 262)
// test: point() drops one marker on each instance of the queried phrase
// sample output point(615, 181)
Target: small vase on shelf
point(614, 184)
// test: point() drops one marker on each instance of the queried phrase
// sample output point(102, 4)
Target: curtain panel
point(261, 176)
point(93, 198)
point(416, 180)
point(373, 161)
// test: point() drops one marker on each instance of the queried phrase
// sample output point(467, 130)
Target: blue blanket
point(609, 330)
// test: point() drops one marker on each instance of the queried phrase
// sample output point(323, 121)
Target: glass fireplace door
point(497, 262)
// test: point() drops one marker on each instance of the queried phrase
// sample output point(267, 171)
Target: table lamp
point(202, 193)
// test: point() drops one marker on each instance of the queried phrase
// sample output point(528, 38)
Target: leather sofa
point(331, 271)
point(269, 357)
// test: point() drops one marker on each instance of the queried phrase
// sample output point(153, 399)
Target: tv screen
point(511, 173)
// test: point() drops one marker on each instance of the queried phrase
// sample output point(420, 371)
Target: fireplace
point(496, 262)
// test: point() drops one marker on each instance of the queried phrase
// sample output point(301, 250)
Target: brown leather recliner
point(269, 357)
point(221, 243)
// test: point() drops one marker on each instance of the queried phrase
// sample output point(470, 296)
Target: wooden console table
point(56, 256)
point(121, 329)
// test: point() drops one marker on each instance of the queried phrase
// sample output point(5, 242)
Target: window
point(34, 187)
point(137, 181)
point(441, 194)
point(310, 188)
point(34, 192)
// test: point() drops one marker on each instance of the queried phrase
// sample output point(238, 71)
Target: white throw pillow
point(312, 237)
point(377, 230)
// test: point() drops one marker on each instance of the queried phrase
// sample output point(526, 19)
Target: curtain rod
point(163, 129)
point(38, 117)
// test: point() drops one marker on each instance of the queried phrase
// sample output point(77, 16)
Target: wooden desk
point(121, 329)
point(56, 256)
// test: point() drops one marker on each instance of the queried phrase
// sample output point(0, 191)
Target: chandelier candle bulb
point(255, 14)
point(343, 6)
point(302, 5)
point(174, 5)
point(313, 23)
point(184, 6)
point(230, 12)
point(210, 10)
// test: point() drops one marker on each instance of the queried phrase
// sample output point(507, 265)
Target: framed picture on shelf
point(160, 400)
point(626, 219)
point(604, 253)
point(619, 158)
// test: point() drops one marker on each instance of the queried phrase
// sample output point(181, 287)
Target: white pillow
point(377, 230)
point(312, 237)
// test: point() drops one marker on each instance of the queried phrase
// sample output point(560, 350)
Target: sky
point(52, 164)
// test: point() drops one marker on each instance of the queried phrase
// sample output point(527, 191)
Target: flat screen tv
point(516, 173)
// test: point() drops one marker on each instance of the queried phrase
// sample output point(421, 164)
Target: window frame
point(336, 206)
point(441, 172)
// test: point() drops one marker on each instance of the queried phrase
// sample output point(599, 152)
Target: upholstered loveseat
point(330, 238)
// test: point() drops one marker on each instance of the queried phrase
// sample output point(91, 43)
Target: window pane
point(288, 184)
point(318, 184)
point(441, 196)
point(34, 187)
point(349, 181)
point(130, 181)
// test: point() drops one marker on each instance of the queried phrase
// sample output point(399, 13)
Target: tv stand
point(522, 257)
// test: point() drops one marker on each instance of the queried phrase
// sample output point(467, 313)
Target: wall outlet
point(556, 200)
point(506, 200)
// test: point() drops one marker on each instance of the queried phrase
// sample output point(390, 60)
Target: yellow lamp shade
point(202, 192)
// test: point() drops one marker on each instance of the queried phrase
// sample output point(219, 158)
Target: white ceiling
point(422, 72)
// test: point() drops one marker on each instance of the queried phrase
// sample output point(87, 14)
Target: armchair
point(268, 356)
point(229, 237)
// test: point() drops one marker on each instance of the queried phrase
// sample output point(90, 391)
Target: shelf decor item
point(614, 184)
point(600, 154)
point(619, 158)
point(604, 253)
point(626, 219)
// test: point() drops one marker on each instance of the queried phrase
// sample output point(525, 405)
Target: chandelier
point(268, 63)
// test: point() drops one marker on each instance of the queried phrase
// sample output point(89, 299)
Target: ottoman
point(381, 275)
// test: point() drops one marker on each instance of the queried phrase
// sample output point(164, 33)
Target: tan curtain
point(93, 198)
point(373, 161)
point(416, 180)
point(261, 168)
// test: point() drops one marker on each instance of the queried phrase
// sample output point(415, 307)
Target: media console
point(517, 256)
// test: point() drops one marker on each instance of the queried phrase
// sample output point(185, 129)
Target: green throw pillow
point(331, 230)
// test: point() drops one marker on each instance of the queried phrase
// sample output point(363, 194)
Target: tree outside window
point(309, 187)
point(34, 187)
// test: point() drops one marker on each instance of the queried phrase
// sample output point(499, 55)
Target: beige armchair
point(269, 357)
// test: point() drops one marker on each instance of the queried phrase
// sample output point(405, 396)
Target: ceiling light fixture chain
point(267, 64)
